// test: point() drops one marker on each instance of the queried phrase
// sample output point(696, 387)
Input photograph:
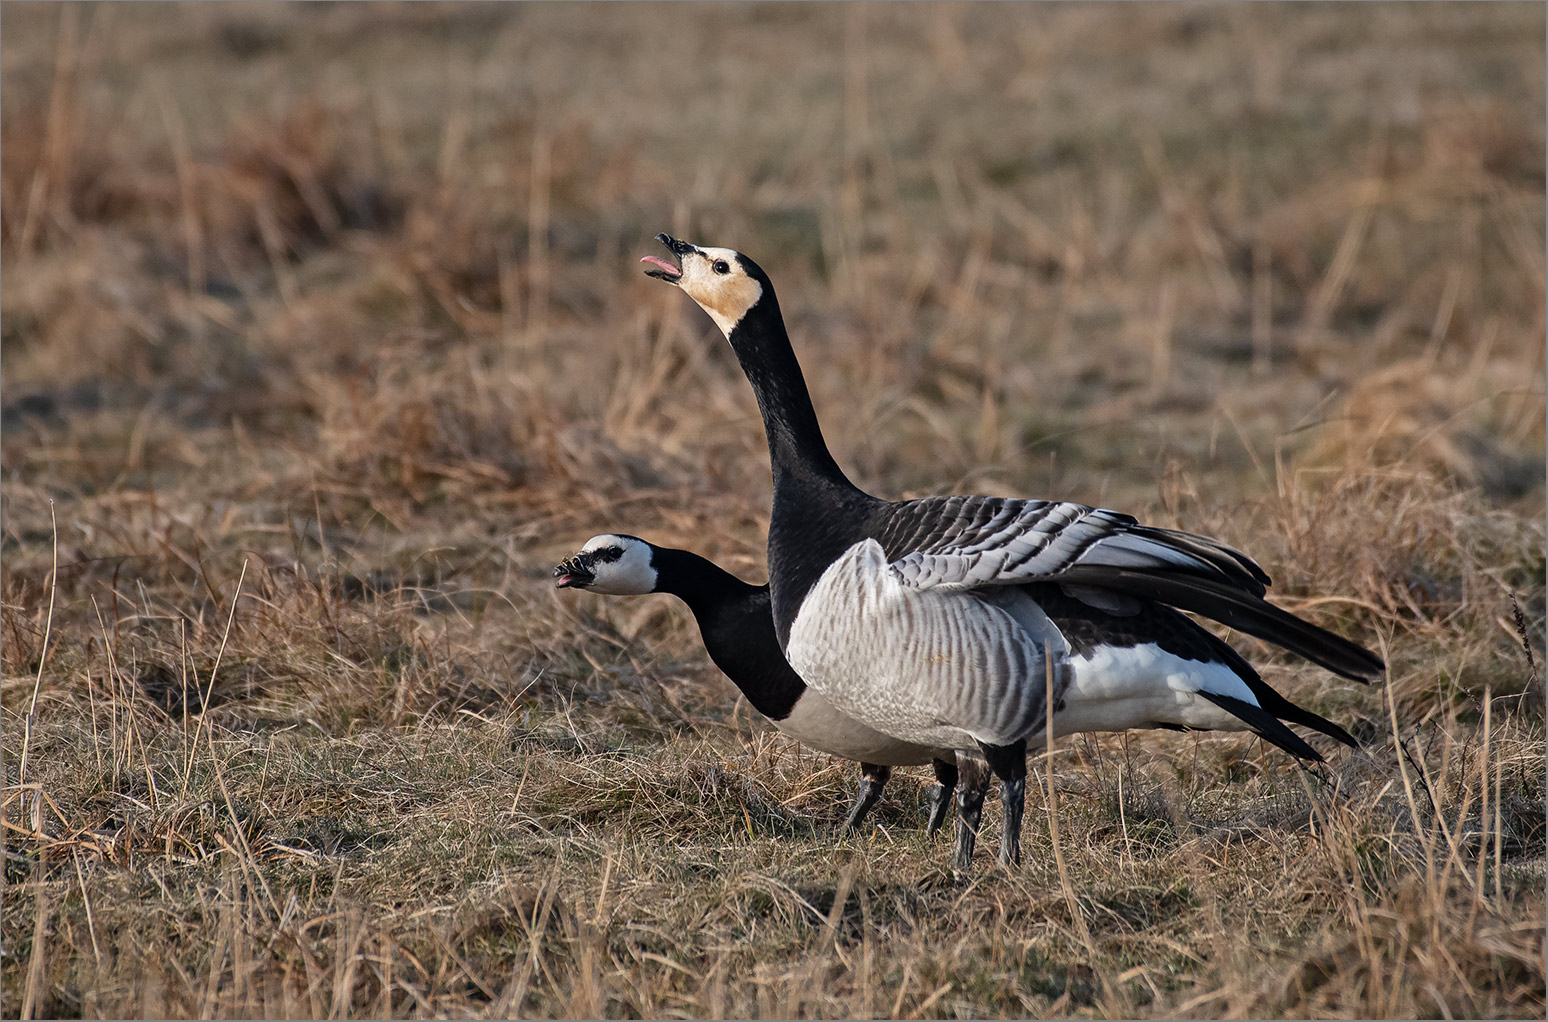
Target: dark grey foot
point(873, 779)
point(1009, 763)
point(970, 809)
point(940, 805)
point(940, 796)
point(970, 812)
point(1013, 797)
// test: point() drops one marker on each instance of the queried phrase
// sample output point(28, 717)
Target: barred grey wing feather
point(988, 541)
point(956, 543)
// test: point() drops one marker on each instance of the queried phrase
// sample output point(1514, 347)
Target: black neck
point(817, 512)
point(737, 624)
point(796, 445)
point(697, 581)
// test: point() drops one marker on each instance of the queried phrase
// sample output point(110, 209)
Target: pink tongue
point(661, 264)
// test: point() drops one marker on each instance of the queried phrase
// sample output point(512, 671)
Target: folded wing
point(969, 542)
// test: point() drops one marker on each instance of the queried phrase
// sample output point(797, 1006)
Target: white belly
point(816, 722)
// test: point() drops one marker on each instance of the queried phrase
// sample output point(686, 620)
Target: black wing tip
point(1298, 715)
point(1231, 606)
point(1266, 726)
point(1344, 657)
point(1306, 753)
point(1269, 700)
point(1376, 667)
point(1336, 733)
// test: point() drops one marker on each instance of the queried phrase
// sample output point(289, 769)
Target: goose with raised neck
point(949, 620)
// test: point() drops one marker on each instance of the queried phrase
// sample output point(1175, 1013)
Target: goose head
point(725, 283)
point(611, 565)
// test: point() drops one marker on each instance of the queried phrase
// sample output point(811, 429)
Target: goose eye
point(721, 266)
point(605, 555)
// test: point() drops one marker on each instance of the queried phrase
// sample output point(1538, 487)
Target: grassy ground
point(324, 339)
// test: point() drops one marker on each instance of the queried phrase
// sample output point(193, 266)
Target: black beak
point(663, 270)
point(679, 248)
point(573, 573)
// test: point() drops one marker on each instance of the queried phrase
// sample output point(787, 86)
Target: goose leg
point(1009, 763)
point(970, 808)
point(940, 795)
point(873, 779)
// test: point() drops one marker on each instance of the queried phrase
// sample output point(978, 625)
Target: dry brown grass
point(323, 339)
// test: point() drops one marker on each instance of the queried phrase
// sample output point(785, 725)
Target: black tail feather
point(1244, 612)
point(1284, 709)
point(1266, 725)
point(1270, 700)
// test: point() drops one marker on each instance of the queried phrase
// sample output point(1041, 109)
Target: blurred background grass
point(338, 306)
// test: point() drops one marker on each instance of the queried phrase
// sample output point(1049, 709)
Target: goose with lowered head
point(738, 631)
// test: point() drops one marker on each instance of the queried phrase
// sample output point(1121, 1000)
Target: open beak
point(573, 573)
point(663, 269)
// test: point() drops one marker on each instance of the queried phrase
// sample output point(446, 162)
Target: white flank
point(1120, 687)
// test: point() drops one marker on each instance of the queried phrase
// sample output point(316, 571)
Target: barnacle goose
point(738, 630)
point(938, 620)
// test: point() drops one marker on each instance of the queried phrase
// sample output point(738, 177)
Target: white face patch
point(621, 565)
point(714, 278)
